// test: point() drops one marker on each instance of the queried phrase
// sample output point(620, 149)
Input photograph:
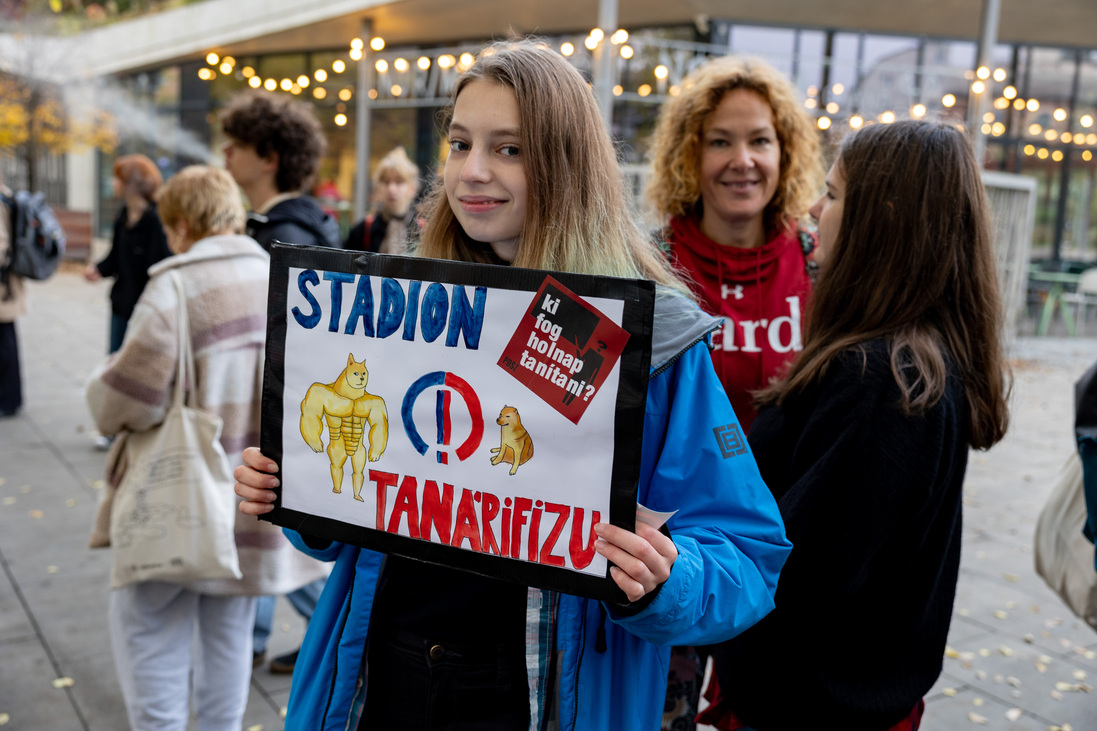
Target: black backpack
point(37, 239)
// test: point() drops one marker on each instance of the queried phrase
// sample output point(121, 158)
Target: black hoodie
point(294, 221)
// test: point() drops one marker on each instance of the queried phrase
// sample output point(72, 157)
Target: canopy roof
point(242, 27)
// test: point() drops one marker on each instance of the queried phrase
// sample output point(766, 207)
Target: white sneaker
point(103, 443)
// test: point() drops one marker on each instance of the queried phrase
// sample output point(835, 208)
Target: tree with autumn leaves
point(37, 116)
point(34, 120)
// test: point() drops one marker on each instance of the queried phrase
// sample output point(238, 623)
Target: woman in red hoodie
point(735, 163)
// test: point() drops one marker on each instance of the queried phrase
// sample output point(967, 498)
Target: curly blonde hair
point(674, 186)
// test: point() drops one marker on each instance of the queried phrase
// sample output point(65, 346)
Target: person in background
point(13, 304)
point(865, 441)
point(735, 164)
point(532, 181)
point(393, 227)
point(137, 243)
point(273, 152)
point(168, 639)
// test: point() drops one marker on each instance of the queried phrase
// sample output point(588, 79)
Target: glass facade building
point(1035, 106)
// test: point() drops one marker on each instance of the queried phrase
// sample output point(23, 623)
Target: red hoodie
point(761, 294)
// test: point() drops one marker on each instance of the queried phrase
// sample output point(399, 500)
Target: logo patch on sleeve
point(730, 439)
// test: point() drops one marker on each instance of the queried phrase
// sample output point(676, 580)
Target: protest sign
point(480, 417)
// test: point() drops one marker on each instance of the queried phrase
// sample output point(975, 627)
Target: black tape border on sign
point(639, 304)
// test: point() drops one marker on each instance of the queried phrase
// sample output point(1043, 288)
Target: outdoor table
point(1061, 283)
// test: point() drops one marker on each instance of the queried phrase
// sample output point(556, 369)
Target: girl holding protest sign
point(532, 181)
point(865, 441)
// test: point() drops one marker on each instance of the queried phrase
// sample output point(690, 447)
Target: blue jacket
point(731, 546)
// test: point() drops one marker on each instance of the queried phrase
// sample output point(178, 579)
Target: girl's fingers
point(254, 458)
point(255, 482)
point(643, 559)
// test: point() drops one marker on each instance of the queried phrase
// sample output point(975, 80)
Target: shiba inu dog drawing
point(515, 444)
point(347, 408)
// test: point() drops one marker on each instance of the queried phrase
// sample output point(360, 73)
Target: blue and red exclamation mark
point(444, 424)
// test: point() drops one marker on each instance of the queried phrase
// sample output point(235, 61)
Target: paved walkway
point(1022, 661)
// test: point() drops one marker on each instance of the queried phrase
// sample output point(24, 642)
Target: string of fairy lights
point(1043, 133)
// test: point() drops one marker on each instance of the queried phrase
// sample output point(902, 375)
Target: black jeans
point(415, 683)
point(11, 381)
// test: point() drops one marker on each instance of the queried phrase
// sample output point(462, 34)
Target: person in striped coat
point(152, 623)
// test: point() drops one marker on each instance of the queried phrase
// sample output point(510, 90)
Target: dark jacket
point(132, 252)
point(295, 221)
point(369, 233)
point(871, 499)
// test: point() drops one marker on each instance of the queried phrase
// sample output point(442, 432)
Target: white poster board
point(476, 416)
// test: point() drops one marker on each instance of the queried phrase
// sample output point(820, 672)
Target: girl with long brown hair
point(865, 441)
point(532, 180)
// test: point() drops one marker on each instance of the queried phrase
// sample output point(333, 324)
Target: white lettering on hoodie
point(773, 330)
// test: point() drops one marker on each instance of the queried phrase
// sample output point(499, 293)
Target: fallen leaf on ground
point(1001, 613)
point(53, 569)
point(950, 692)
point(1013, 714)
point(71, 502)
point(9, 501)
point(37, 514)
point(63, 683)
point(976, 718)
point(4, 718)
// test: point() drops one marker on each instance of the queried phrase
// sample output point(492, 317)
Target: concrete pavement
point(1021, 661)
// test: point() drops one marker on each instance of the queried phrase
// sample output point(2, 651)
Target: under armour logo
point(730, 439)
point(736, 291)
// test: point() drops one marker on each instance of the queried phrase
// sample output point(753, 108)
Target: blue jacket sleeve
point(327, 553)
point(727, 529)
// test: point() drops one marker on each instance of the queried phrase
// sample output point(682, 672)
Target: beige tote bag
point(174, 513)
point(1064, 557)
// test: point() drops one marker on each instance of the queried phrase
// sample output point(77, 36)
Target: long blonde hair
point(578, 218)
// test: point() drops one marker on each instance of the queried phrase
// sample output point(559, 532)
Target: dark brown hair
point(140, 174)
point(913, 262)
point(273, 124)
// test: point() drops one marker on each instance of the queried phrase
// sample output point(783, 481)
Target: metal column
point(363, 110)
point(604, 61)
point(988, 36)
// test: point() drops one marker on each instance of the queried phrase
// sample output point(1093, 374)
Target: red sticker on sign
point(563, 349)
